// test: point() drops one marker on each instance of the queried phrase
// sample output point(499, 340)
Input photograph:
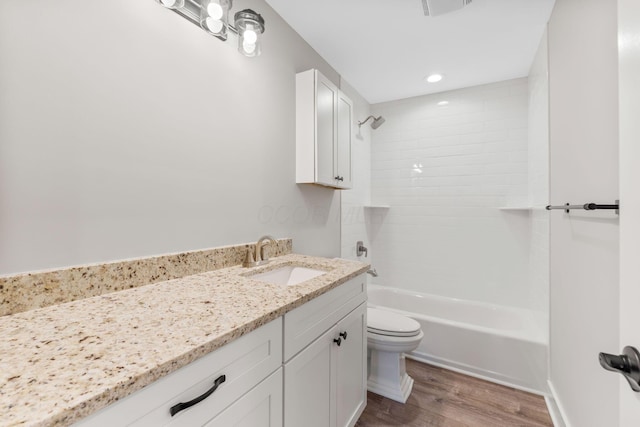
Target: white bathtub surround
point(445, 170)
point(389, 336)
point(501, 344)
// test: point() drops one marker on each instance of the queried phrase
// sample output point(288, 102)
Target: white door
point(629, 90)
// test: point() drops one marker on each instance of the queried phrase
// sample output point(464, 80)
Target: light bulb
point(214, 25)
point(250, 36)
point(434, 78)
point(168, 3)
point(249, 47)
point(214, 10)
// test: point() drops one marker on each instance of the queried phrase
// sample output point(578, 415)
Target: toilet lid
point(384, 322)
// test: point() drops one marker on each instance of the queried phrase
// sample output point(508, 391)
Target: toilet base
point(388, 376)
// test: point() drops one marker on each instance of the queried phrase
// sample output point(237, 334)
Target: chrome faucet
point(253, 260)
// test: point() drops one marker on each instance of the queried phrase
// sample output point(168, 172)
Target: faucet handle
point(248, 259)
point(361, 249)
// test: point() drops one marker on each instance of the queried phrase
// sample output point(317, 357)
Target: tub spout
point(372, 272)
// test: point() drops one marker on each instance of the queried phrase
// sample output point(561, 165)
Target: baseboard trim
point(462, 369)
point(558, 415)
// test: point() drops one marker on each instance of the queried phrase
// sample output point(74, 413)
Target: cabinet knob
point(338, 341)
point(343, 335)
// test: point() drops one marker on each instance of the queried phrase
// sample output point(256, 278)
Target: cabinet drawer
point(244, 362)
point(261, 407)
point(306, 323)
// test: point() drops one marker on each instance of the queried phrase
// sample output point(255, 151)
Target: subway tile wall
point(446, 163)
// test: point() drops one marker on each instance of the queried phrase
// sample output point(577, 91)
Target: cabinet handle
point(343, 335)
point(184, 405)
point(339, 178)
point(338, 341)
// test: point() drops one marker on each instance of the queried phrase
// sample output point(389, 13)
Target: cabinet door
point(308, 386)
point(326, 100)
point(343, 141)
point(351, 367)
point(260, 407)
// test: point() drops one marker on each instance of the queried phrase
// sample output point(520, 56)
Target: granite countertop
point(61, 363)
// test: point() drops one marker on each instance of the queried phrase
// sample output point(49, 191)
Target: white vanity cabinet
point(324, 132)
point(325, 372)
point(252, 389)
point(306, 368)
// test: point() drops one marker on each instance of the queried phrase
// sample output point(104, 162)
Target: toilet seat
point(387, 323)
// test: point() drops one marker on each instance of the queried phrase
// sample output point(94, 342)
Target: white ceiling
point(385, 48)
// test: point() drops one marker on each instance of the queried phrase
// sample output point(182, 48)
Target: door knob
point(627, 364)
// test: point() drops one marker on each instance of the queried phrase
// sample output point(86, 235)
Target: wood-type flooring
point(445, 398)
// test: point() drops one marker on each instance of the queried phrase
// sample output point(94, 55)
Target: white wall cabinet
point(324, 132)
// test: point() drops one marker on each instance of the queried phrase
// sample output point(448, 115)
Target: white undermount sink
point(288, 275)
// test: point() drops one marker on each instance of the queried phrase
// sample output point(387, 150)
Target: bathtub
point(501, 344)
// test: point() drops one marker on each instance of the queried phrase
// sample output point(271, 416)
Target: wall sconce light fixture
point(213, 17)
point(250, 26)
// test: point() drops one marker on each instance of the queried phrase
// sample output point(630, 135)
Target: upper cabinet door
point(343, 142)
point(326, 128)
point(323, 132)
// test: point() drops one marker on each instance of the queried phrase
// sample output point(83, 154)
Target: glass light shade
point(250, 26)
point(214, 17)
point(171, 4)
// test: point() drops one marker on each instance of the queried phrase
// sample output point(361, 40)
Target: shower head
point(375, 124)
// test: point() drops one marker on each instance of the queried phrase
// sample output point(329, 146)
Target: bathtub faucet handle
point(361, 249)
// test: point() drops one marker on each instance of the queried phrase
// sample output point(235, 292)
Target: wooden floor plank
point(443, 398)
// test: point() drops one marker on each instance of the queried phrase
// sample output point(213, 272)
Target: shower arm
point(365, 121)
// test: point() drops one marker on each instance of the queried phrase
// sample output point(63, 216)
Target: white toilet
point(389, 336)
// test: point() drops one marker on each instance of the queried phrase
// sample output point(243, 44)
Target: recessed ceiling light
point(434, 78)
point(441, 103)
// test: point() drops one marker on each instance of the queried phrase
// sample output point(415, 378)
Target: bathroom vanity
point(213, 349)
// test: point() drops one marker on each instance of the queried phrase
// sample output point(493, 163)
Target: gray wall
point(583, 245)
point(127, 131)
